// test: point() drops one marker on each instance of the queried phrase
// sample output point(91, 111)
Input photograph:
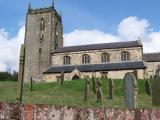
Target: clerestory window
point(105, 57)
point(125, 56)
point(66, 60)
point(85, 59)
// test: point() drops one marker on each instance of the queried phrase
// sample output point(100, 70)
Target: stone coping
point(58, 112)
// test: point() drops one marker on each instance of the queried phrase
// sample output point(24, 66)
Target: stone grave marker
point(148, 87)
point(156, 91)
point(130, 90)
point(86, 88)
point(111, 89)
point(94, 84)
point(31, 84)
point(99, 91)
point(62, 78)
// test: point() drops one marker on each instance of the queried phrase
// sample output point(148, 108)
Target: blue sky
point(82, 14)
point(84, 22)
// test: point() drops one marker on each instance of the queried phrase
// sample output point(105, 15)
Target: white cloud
point(132, 27)
point(129, 29)
point(10, 49)
point(152, 45)
point(80, 37)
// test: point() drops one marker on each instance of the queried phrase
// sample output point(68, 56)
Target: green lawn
point(72, 94)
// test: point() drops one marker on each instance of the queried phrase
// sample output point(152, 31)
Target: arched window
point(85, 59)
point(66, 60)
point(105, 57)
point(125, 56)
point(42, 24)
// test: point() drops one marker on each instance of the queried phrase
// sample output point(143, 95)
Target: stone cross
point(156, 91)
point(99, 91)
point(21, 71)
point(148, 87)
point(130, 90)
point(62, 78)
point(111, 89)
point(86, 88)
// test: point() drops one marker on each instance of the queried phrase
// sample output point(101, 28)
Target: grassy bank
point(72, 94)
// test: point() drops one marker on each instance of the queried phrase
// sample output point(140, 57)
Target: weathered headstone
point(135, 72)
point(94, 84)
point(156, 91)
point(111, 89)
point(99, 91)
point(148, 87)
point(130, 90)
point(21, 71)
point(62, 78)
point(86, 88)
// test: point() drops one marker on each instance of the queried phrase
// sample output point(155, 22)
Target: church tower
point(44, 33)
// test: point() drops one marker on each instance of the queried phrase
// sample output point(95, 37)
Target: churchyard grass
point(72, 94)
point(8, 91)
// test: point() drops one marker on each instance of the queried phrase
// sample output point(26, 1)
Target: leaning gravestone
point(94, 84)
point(99, 91)
point(130, 90)
point(148, 87)
point(111, 89)
point(156, 91)
point(86, 88)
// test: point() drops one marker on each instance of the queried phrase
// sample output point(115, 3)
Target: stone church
point(46, 57)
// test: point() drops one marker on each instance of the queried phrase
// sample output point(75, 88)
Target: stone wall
point(95, 55)
point(52, 112)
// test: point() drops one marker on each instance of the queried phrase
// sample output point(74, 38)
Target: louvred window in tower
point(42, 24)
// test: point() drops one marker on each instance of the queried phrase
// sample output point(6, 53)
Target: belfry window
point(105, 57)
point(125, 56)
point(42, 24)
point(66, 60)
point(85, 59)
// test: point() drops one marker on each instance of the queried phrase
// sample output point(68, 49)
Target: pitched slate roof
point(114, 45)
point(151, 57)
point(97, 67)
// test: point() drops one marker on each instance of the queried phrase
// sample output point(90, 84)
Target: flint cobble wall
point(52, 112)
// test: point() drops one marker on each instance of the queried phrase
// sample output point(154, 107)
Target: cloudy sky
point(85, 22)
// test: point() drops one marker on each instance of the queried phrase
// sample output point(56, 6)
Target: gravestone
point(148, 87)
point(99, 91)
point(62, 78)
point(156, 91)
point(111, 89)
point(31, 84)
point(86, 88)
point(94, 84)
point(130, 90)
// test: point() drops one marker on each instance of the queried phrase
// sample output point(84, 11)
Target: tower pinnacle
point(53, 3)
point(29, 7)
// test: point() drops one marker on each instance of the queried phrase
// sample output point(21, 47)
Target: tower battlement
point(44, 10)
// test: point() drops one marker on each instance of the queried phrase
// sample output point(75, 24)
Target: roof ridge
point(152, 53)
point(101, 44)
